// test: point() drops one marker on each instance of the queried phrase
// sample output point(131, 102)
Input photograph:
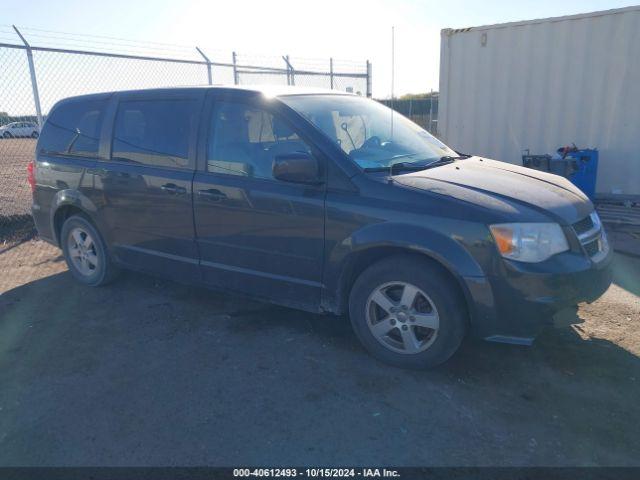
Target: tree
point(418, 96)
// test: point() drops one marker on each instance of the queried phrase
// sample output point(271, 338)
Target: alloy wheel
point(82, 251)
point(402, 317)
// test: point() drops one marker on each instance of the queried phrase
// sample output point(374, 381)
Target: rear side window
point(74, 128)
point(154, 132)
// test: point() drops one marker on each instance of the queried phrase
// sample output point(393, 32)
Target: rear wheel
point(407, 312)
point(85, 252)
point(35, 134)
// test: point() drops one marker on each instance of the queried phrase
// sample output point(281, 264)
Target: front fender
point(442, 248)
point(446, 249)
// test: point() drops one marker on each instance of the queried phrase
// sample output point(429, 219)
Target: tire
point(85, 252)
point(7, 135)
point(407, 312)
point(35, 134)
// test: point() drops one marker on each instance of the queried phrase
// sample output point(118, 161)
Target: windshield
point(373, 135)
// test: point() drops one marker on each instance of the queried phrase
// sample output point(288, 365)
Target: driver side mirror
point(296, 167)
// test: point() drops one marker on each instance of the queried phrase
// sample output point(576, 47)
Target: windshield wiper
point(394, 167)
point(445, 160)
point(462, 156)
point(405, 166)
point(399, 165)
point(415, 165)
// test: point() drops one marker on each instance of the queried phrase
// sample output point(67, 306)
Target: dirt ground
point(15, 194)
point(150, 372)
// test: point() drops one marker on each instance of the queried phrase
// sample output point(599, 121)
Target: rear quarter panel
point(62, 181)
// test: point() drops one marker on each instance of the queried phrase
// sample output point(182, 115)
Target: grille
point(583, 225)
point(589, 229)
point(591, 248)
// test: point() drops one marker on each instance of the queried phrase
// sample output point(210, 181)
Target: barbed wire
point(40, 37)
point(86, 35)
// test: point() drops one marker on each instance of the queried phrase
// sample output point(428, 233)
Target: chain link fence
point(423, 111)
point(34, 78)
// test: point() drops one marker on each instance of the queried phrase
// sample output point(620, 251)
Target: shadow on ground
point(627, 273)
point(148, 372)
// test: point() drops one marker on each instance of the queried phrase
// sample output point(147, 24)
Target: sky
point(343, 29)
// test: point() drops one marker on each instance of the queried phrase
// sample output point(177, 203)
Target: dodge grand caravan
point(317, 200)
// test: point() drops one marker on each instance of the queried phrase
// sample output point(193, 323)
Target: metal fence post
point(368, 79)
point(293, 72)
point(206, 59)
point(235, 69)
point(290, 71)
point(331, 72)
point(289, 80)
point(32, 72)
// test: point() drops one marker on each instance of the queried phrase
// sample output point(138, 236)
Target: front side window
point(154, 132)
point(73, 128)
point(371, 134)
point(244, 139)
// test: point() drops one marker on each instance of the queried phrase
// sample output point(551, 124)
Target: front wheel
point(407, 312)
point(85, 252)
point(7, 135)
point(35, 134)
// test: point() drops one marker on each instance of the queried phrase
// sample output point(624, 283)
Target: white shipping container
point(542, 84)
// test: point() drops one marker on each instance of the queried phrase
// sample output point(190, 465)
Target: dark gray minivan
point(321, 201)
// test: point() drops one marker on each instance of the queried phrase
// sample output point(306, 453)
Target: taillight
point(31, 175)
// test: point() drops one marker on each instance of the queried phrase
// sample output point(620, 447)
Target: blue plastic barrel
point(585, 171)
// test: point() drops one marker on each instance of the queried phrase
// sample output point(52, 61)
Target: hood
point(504, 187)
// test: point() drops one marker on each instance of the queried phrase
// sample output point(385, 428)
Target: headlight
point(529, 242)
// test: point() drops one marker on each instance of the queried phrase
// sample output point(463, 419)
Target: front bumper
point(523, 298)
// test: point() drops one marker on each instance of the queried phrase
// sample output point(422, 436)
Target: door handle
point(173, 189)
point(212, 194)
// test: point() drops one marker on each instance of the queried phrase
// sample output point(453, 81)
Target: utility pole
point(393, 62)
point(393, 72)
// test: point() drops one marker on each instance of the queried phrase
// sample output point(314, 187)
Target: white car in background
point(19, 129)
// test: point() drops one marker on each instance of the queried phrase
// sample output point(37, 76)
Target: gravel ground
point(150, 372)
point(15, 193)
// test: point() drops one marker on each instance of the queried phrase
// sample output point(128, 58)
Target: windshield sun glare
point(371, 134)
